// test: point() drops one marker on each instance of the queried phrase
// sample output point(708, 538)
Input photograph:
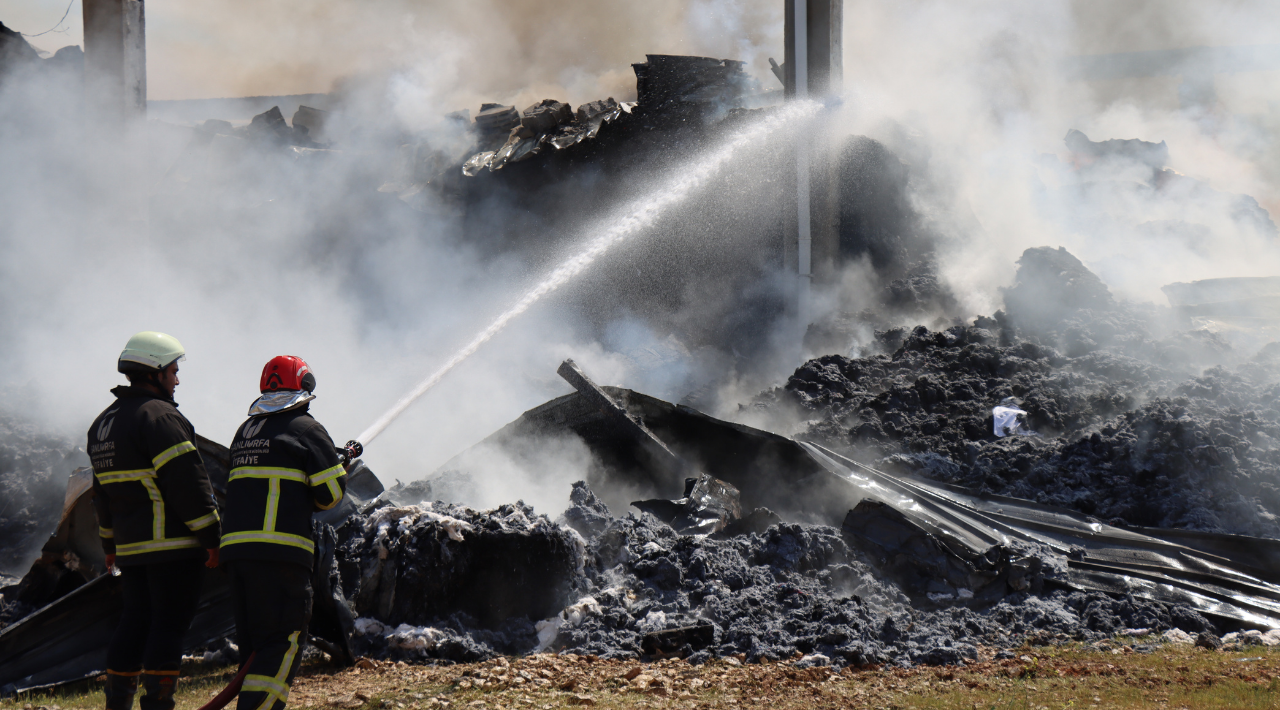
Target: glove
point(212, 562)
point(111, 561)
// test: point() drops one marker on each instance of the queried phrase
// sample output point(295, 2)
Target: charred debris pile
point(33, 481)
point(776, 549)
point(902, 570)
point(1133, 420)
point(641, 589)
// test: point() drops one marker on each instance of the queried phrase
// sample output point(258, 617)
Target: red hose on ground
point(220, 700)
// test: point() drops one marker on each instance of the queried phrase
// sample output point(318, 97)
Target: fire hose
point(220, 700)
point(348, 453)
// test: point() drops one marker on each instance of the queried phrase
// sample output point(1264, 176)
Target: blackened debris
point(546, 115)
point(594, 109)
point(876, 216)
point(271, 126)
point(802, 588)
point(496, 117)
point(14, 50)
point(1052, 287)
point(1086, 152)
point(709, 505)
point(311, 123)
point(1138, 428)
point(646, 591)
point(411, 565)
point(33, 477)
point(681, 642)
point(755, 522)
point(671, 88)
point(332, 619)
point(587, 514)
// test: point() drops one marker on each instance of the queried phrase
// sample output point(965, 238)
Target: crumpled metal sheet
point(67, 640)
point(709, 505)
point(565, 135)
point(516, 149)
point(477, 162)
point(1081, 552)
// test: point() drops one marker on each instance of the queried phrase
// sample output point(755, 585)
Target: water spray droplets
point(633, 220)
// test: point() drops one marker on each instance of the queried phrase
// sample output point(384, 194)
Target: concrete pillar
point(115, 60)
point(115, 83)
point(824, 44)
point(821, 74)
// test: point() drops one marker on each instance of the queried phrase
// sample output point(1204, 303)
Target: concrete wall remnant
point(115, 49)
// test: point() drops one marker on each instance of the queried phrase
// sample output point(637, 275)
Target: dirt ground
point(1043, 678)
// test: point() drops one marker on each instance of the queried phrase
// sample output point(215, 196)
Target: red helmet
point(287, 372)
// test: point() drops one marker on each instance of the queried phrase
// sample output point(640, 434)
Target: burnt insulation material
point(410, 565)
point(1132, 427)
point(794, 588)
point(33, 478)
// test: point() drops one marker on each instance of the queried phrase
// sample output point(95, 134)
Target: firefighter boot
point(157, 690)
point(120, 691)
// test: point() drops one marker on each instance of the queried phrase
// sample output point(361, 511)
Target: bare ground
point(1040, 678)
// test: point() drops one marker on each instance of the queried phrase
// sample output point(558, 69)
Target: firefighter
point(284, 466)
point(157, 519)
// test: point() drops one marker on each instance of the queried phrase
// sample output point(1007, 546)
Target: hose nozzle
point(350, 452)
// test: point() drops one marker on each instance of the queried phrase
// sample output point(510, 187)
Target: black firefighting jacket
point(151, 490)
point(283, 467)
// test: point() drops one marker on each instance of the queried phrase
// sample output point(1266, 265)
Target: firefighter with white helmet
point(157, 520)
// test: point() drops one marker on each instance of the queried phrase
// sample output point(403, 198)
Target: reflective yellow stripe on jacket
point(147, 477)
point(286, 474)
point(329, 478)
point(172, 453)
point(274, 538)
point(173, 543)
point(267, 534)
point(203, 521)
point(125, 476)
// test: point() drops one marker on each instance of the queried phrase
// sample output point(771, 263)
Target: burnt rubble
point(1133, 427)
point(17, 56)
point(33, 480)
point(408, 565)
point(1106, 156)
point(917, 572)
point(643, 590)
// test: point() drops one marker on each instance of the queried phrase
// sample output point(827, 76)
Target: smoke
point(982, 92)
point(973, 96)
point(309, 262)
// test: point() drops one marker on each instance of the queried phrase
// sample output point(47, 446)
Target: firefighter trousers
point(159, 602)
point(272, 609)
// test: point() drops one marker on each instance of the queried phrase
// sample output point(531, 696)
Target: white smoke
point(973, 94)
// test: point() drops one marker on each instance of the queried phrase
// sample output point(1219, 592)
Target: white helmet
point(150, 351)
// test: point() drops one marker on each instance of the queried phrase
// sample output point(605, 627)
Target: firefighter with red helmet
point(157, 520)
point(284, 466)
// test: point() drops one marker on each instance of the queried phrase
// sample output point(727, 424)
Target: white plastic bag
point(1009, 421)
